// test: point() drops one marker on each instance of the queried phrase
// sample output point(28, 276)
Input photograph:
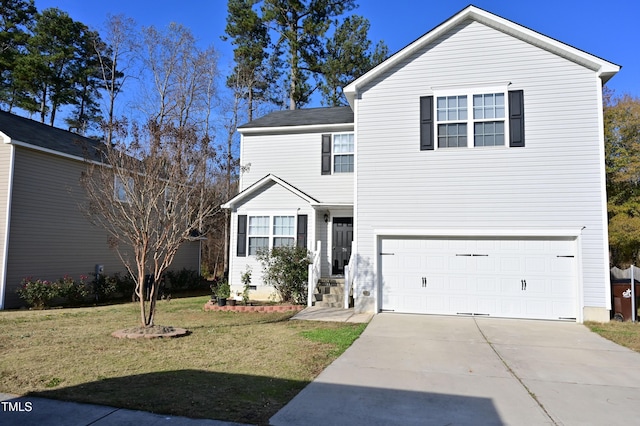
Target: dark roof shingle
point(34, 133)
point(303, 117)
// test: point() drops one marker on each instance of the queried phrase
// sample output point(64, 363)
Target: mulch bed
point(157, 331)
point(211, 306)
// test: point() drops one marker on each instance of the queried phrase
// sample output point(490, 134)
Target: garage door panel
point(528, 278)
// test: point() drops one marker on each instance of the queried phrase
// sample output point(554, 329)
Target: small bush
point(38, 293)
point(74, 291)
point(246, 284)
point(287, 270)
point(104, 287)
point(125, 285)
point(184, 279)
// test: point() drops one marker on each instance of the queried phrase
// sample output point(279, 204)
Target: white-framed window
point(473, 118)
point(121, 190)
point(284, 231)
point(258, 233)
point(343, 153)
point(269, 231)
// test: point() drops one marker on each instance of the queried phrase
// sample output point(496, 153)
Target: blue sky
point(608, 29)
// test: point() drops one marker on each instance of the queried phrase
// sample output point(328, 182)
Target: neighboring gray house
point(468, 171)
point(43, 233)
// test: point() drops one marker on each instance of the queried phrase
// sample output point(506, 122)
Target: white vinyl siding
point(553, 182)
point(5, 179)
point(271, 201)
point(296, 159)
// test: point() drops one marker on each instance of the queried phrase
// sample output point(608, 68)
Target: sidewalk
point(31, 411)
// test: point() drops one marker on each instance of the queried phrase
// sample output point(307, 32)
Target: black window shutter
point(241, 250)
point(426, 123)
point(326, 154)
point(516, 118)
point(301, 235)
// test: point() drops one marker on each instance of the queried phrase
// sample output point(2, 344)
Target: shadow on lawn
point(254, 400)
point(190, 393)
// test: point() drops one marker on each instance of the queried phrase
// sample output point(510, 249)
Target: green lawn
point(240, 367)
point(623, 333)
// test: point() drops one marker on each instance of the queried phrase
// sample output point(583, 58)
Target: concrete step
point(330, 290)
point(329, 293)
point(324, 304)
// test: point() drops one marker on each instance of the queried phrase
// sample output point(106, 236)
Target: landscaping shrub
point(38, 293)
point(184, 279)
point(125, 285)
point(74, 291)
point(287, 270)
point(105, 287)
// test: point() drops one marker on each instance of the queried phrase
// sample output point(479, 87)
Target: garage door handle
point(424, 282)
point(523, 285)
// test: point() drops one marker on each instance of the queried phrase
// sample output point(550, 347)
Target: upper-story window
point(343, 153)
point(337, 153)
point(472, 118)
point(484, 126)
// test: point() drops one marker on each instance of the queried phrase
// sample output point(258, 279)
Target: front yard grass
point(240, 367)
point(623, 333)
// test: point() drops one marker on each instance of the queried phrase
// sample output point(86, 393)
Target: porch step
point(329, 293)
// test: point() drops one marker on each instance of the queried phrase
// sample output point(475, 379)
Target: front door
point(342, 239)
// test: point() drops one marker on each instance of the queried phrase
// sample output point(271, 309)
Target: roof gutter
point(296, 129)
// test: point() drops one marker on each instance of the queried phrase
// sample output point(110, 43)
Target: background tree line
point(287, 53)
point(622, 162)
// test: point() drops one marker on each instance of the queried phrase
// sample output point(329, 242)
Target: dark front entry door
point(342, 239)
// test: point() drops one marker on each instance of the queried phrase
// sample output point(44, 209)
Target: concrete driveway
point(436, 370)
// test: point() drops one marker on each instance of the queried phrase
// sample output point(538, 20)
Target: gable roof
point(261, 183)
point(312, 117)
point(32, 134)
point(604, 69)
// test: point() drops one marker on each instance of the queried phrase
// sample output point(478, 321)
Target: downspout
point(5, 252)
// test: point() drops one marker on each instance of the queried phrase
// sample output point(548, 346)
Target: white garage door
point(502, 277)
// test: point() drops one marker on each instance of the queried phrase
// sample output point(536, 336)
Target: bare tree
point(148, 195)
point(115, 56)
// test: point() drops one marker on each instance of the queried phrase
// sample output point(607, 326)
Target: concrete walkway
point(31, 411)
point(431, 370)
point(318, 313)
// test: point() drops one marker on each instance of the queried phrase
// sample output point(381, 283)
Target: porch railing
point(349, 270)
point(314, 273)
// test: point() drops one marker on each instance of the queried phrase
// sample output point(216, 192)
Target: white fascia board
point(497, 232)
point(259, 184)
point(340, 127)
point(331, 205)
point(603, 68)
point(5, 138)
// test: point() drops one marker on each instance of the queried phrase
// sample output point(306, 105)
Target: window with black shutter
point(426, 123)
point(326, 154)
point(301, 234)
point(516, 118)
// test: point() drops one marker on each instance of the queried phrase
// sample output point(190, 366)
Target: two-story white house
point(466, 177)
